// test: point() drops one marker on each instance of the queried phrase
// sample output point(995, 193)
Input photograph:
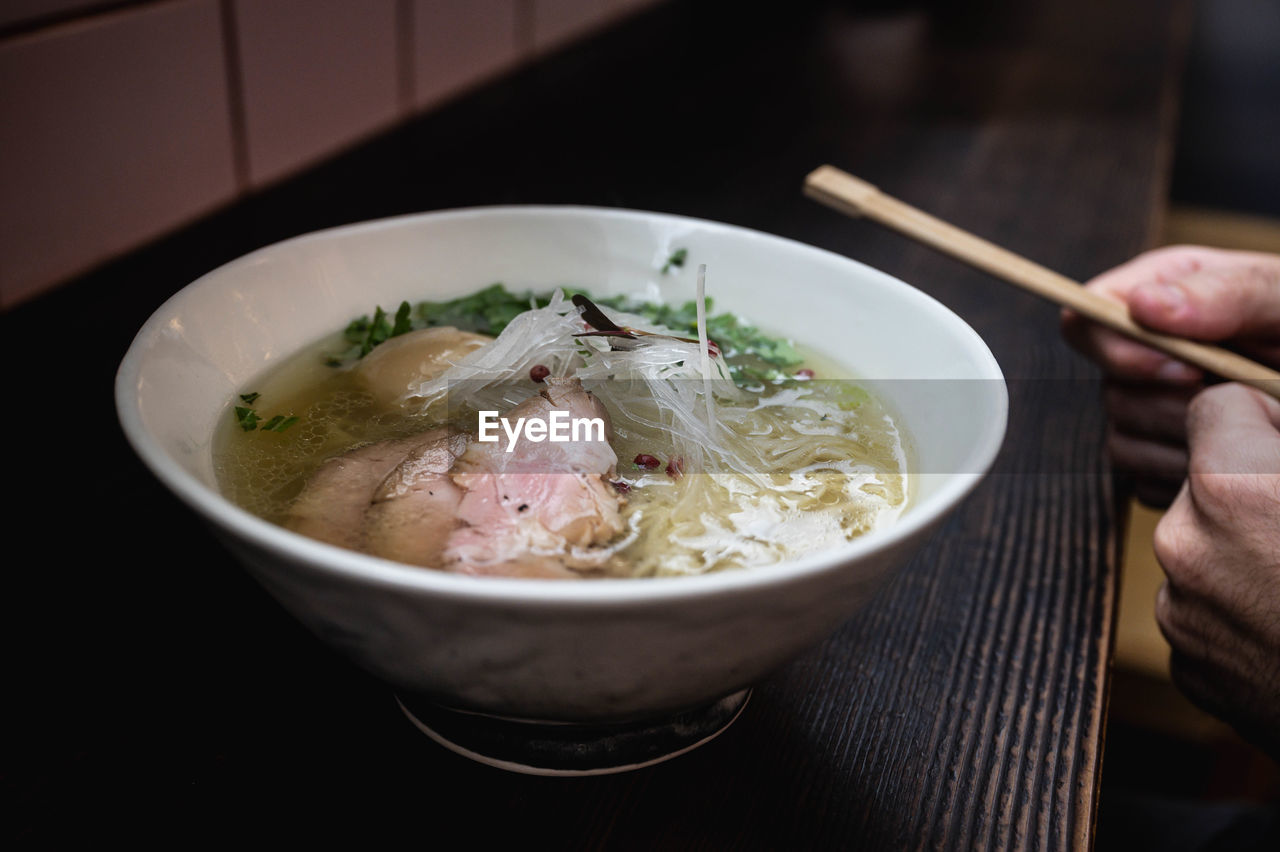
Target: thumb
point(1236, 299)
point(1234, 429)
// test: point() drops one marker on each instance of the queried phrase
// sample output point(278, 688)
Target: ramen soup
point(561, 436)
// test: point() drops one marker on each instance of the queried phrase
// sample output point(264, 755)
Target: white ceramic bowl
point(590, 651)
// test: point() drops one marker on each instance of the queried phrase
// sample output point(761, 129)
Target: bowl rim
point(212, 507)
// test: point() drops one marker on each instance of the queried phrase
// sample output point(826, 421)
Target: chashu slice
point(543, 509)
point(441, 500)
point(415, 508)
point(333, 503)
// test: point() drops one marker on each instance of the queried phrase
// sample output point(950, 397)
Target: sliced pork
point(414, 509)
point(543, 508)
point(446, 500)
point(333, 504)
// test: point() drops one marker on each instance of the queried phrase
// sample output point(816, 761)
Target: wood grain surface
point(157, 695)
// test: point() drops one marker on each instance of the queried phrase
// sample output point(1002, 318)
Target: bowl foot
point(562, 748)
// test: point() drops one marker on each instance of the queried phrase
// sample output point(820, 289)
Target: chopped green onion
point(247, 418)
point(677, 259)
point(751, 356)
point(403, 324)
point(379, 330)
point(279, 423)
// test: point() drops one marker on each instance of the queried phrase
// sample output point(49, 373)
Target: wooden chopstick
point(855, 197)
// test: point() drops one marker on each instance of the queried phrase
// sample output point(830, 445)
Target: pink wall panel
point(318, 75)
point(458, 43)
point(114, 129)
point(123, 124)
point(558, 22)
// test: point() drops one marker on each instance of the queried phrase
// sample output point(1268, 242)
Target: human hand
point(1219, 545)
point(1205, 294)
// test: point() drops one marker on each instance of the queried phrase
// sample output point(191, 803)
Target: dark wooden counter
point(156, 694)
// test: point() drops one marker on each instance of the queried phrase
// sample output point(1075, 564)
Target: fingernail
point(1167, 294)
point(1176, 371)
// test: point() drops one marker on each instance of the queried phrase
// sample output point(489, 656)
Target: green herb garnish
point(486, 312)
point(362, 334)
point(279, 423)
point(379, 331)
point(752, 357)
point(677, 259)
point(356, 330)
point(403, 324)
point(247, 418)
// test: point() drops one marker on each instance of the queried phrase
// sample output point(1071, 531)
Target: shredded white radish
point(647, 383)
point(705, 347)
